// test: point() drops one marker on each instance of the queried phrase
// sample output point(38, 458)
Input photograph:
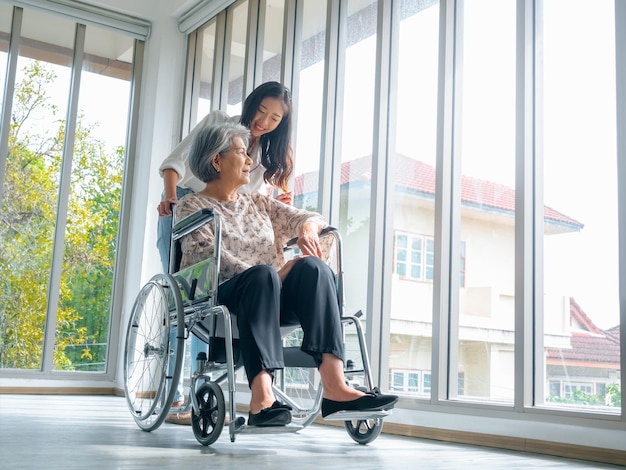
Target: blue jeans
point(164, 232)
point(164, 236)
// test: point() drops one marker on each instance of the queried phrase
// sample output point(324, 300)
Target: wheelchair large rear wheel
point(364, 431)
point(208, 421)
point(153, 355)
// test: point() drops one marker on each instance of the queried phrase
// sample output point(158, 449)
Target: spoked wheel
point(364, 431)
point(154, 335)
point(208, 422)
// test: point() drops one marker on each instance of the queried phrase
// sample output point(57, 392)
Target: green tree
point(27, 230)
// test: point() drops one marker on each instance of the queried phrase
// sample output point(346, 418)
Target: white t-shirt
point(178, 159)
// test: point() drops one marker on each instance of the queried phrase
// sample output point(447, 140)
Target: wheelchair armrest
point(191, 223)
point(324, 231)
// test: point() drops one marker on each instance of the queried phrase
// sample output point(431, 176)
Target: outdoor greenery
point(613, 397)
point(28, 219)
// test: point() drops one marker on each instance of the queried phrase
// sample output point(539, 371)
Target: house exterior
point(589, 364)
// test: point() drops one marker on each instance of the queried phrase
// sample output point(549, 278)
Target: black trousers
point(261, 304)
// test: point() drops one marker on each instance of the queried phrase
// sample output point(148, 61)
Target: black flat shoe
point(371, 401)
point(276, 415)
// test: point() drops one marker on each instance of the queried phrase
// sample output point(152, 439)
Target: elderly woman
point(258, 287)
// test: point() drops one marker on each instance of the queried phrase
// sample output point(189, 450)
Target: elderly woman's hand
point(308, 239)
point(284, 270)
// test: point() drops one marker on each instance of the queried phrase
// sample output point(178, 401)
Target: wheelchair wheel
point(149, 381)
point(364, 431)
point(207, 422)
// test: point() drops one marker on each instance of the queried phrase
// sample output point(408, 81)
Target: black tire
point(149, 384)
point(364, 431)
point(208, 421)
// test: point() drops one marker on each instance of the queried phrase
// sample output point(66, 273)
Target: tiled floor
point(97, 432)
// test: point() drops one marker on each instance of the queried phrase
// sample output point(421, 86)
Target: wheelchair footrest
point(243, 428)
point(356, 415)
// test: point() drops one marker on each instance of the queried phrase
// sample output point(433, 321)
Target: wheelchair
point(186, 302)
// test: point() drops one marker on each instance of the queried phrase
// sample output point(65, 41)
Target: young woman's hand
point(285, 198)
point(165, 206)
point(170, 179)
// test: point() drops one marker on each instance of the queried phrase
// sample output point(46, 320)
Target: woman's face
point(234, 165)
point(267, 117)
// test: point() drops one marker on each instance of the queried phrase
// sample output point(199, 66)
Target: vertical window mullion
point(528, 227)
point(330, 119)
point(443, 204)
point(381, 198)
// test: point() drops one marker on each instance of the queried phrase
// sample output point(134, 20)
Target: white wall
point(158, 133)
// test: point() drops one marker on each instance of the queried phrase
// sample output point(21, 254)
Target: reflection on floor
point(97, 432)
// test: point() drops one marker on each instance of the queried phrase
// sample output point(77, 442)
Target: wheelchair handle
point(191, 223)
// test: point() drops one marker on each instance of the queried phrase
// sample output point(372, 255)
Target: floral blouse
point(254, 229)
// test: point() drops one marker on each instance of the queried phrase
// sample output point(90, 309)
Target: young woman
point(267, 113)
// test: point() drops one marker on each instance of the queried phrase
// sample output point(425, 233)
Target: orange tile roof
point(419, 177)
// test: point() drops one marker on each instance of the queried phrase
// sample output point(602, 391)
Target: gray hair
point(210, 141)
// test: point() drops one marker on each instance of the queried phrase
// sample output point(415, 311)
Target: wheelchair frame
point(190, 295)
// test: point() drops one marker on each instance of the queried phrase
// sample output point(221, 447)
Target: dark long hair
point(276, 151)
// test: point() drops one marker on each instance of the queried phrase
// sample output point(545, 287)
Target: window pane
point(273, 40)
point(414, 194)
point(309, 105)
point(401, 269)
point(239, 16)
point(414, 381)
point(416, 272)
point(31, 186)
point(426, 382)
point(207, 61)
point(580, 308)
point(397, 381)
point(356, 148)
point(94, 201)
point(487, 154)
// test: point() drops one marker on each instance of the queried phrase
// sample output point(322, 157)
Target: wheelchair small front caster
point(208, 421)
point(364, 431)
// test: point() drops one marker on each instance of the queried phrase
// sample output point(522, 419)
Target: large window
point(61, 190)
point(483, 301)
